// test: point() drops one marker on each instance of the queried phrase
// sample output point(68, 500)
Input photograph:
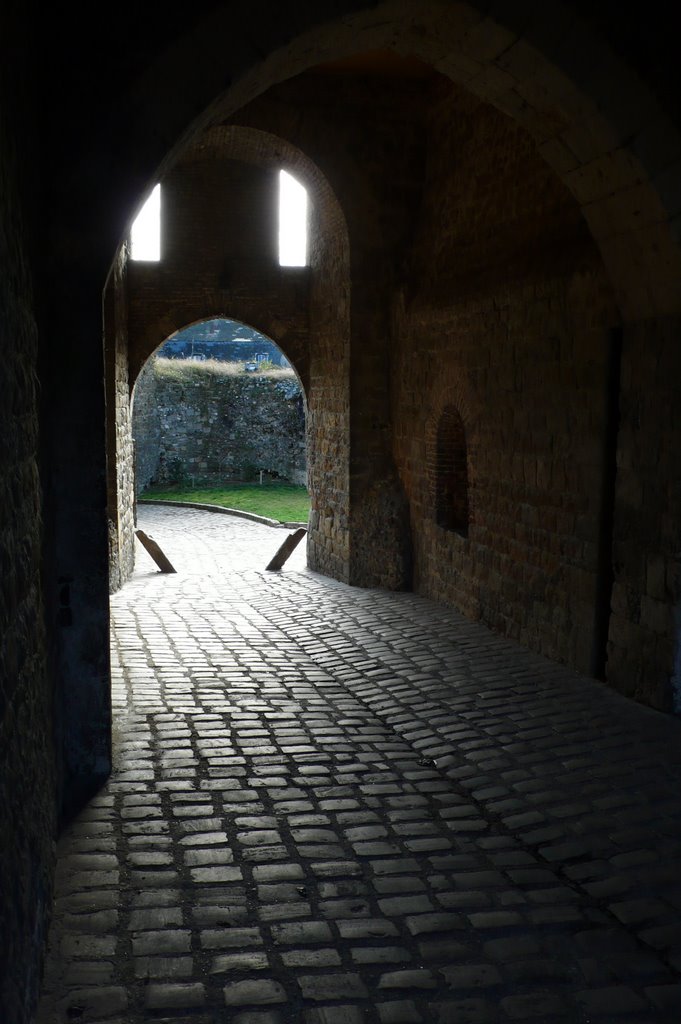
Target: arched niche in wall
point(449, 428)
point(450, 459)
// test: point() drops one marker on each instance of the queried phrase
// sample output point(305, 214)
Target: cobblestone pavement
point(336, 806)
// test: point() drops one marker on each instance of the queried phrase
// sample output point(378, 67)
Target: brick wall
point(474, 285)
point(505, 319)
point(645, 628)
point(366, 134)
point(218, 258)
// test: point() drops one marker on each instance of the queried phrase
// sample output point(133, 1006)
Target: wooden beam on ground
point(154, 550)
point(287, 549)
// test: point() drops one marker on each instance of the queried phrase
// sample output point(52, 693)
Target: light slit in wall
point(292, 222)
point(145, 234)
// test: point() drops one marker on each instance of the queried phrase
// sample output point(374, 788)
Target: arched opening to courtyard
point(218, 417)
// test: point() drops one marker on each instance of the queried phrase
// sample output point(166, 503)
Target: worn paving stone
point(163, 967)
point(311, 958)
point(419, 978)
point(177, 996)
point(332, 986)
point(338, 806)
point(301, 931)
point(173, 940)
point(335, 1015)
point(92, 1003)
point(400, 1012)
point(233, 962)
point(254, 993)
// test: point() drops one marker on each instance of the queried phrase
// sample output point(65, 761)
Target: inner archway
point(219, 418)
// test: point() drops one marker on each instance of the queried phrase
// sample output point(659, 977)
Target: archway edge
point(264, 149)
point(207, 317)
point(594, 121)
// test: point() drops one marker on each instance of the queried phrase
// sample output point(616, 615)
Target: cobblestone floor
point(337, 806)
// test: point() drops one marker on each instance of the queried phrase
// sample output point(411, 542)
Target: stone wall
point(202, 423)
point(28, 779)
point(328, 455)
point(120, 459)
point(145, 428)
point(474, 283)
point(644, 650)
point(506, 319)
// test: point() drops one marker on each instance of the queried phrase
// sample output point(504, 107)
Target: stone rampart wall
point(199, 423)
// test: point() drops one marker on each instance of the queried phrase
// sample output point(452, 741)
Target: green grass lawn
point(285, 502)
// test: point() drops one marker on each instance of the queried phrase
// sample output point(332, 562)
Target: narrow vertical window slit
point(145, 234)
point(292, 222)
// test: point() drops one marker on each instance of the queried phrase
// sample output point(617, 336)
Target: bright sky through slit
point(292, 222)
point(145, 234)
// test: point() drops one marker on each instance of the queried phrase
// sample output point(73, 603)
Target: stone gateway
point(486, 333)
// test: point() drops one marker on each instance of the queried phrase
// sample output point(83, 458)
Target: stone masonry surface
point(196, 422)
point(27, 762)
point(335, 806)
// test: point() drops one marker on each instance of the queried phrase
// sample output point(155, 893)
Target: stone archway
point(602, 133)
point(114, 110)
point(593, 121)
point(212, 270)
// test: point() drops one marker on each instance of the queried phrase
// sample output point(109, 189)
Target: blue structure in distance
point(226, 340)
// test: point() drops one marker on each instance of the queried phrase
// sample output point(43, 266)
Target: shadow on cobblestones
point(337, 806)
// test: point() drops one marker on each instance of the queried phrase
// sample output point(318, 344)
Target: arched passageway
point(545, 285)
point(558, 131)
point(528, 80)
point(585, 142)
